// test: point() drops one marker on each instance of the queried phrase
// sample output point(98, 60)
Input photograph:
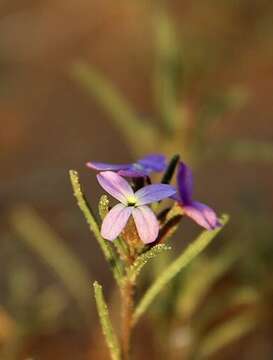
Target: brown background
point(49, 124)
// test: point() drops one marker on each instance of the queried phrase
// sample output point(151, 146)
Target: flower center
point(131, 200)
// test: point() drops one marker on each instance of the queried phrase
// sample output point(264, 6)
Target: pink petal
point(146, 224)
point(115, 185)
point(202, 214)
point(106, 166)
point(115, 221)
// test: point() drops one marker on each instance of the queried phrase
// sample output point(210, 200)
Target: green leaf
point(227, 333)
point(215, 105)
point(114, 103)
point(103, 206)
point(174, 268)
point(52, 249)
point(196, 287)
point(107, 328)
point(137, 266)
point(243, 151)
point(107, 250)
point(251, 151)
point(167, 69)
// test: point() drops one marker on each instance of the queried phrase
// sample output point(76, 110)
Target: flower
point(131, 203)
point(200, 213)
point(142, 168)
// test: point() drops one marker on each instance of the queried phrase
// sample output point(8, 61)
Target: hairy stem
point(127, 296)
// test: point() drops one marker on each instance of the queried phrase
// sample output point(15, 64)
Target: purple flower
point(142, 168)
point(200, 213)
point(134, 204)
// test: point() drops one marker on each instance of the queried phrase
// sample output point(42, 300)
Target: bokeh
point(112, 80)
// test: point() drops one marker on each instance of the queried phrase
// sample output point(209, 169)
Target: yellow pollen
point(131, 200)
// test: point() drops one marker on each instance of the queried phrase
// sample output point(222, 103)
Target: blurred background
point(112, 80)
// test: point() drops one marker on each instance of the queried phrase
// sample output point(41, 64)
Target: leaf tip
point(224, 219)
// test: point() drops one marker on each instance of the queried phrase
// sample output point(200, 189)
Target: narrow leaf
point(196, 287)
point(108, 252)
point(174, 268)
point(243, 151)
point(107, 328)
point(226, 334)
point(167, 69)
point(246, 150)
point(113, 102)
point(103, 206)
point(144, 258)
point(52, 249)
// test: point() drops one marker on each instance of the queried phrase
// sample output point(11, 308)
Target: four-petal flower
point(132, 203)
point(200, 213)
point(142, 168)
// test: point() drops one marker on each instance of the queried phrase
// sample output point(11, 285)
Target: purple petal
point(115, 221)
point(133, 173)
point(115, 185)
point(146, 224)
point(105, 166)
point(185, 183)
point(176, 197)
point(154, 162)
point(202, 214)
point(153, 193)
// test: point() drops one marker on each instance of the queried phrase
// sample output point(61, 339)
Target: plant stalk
point(127, 296)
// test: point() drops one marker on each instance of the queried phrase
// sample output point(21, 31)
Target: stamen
point(131, 204)
point(131, 200)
